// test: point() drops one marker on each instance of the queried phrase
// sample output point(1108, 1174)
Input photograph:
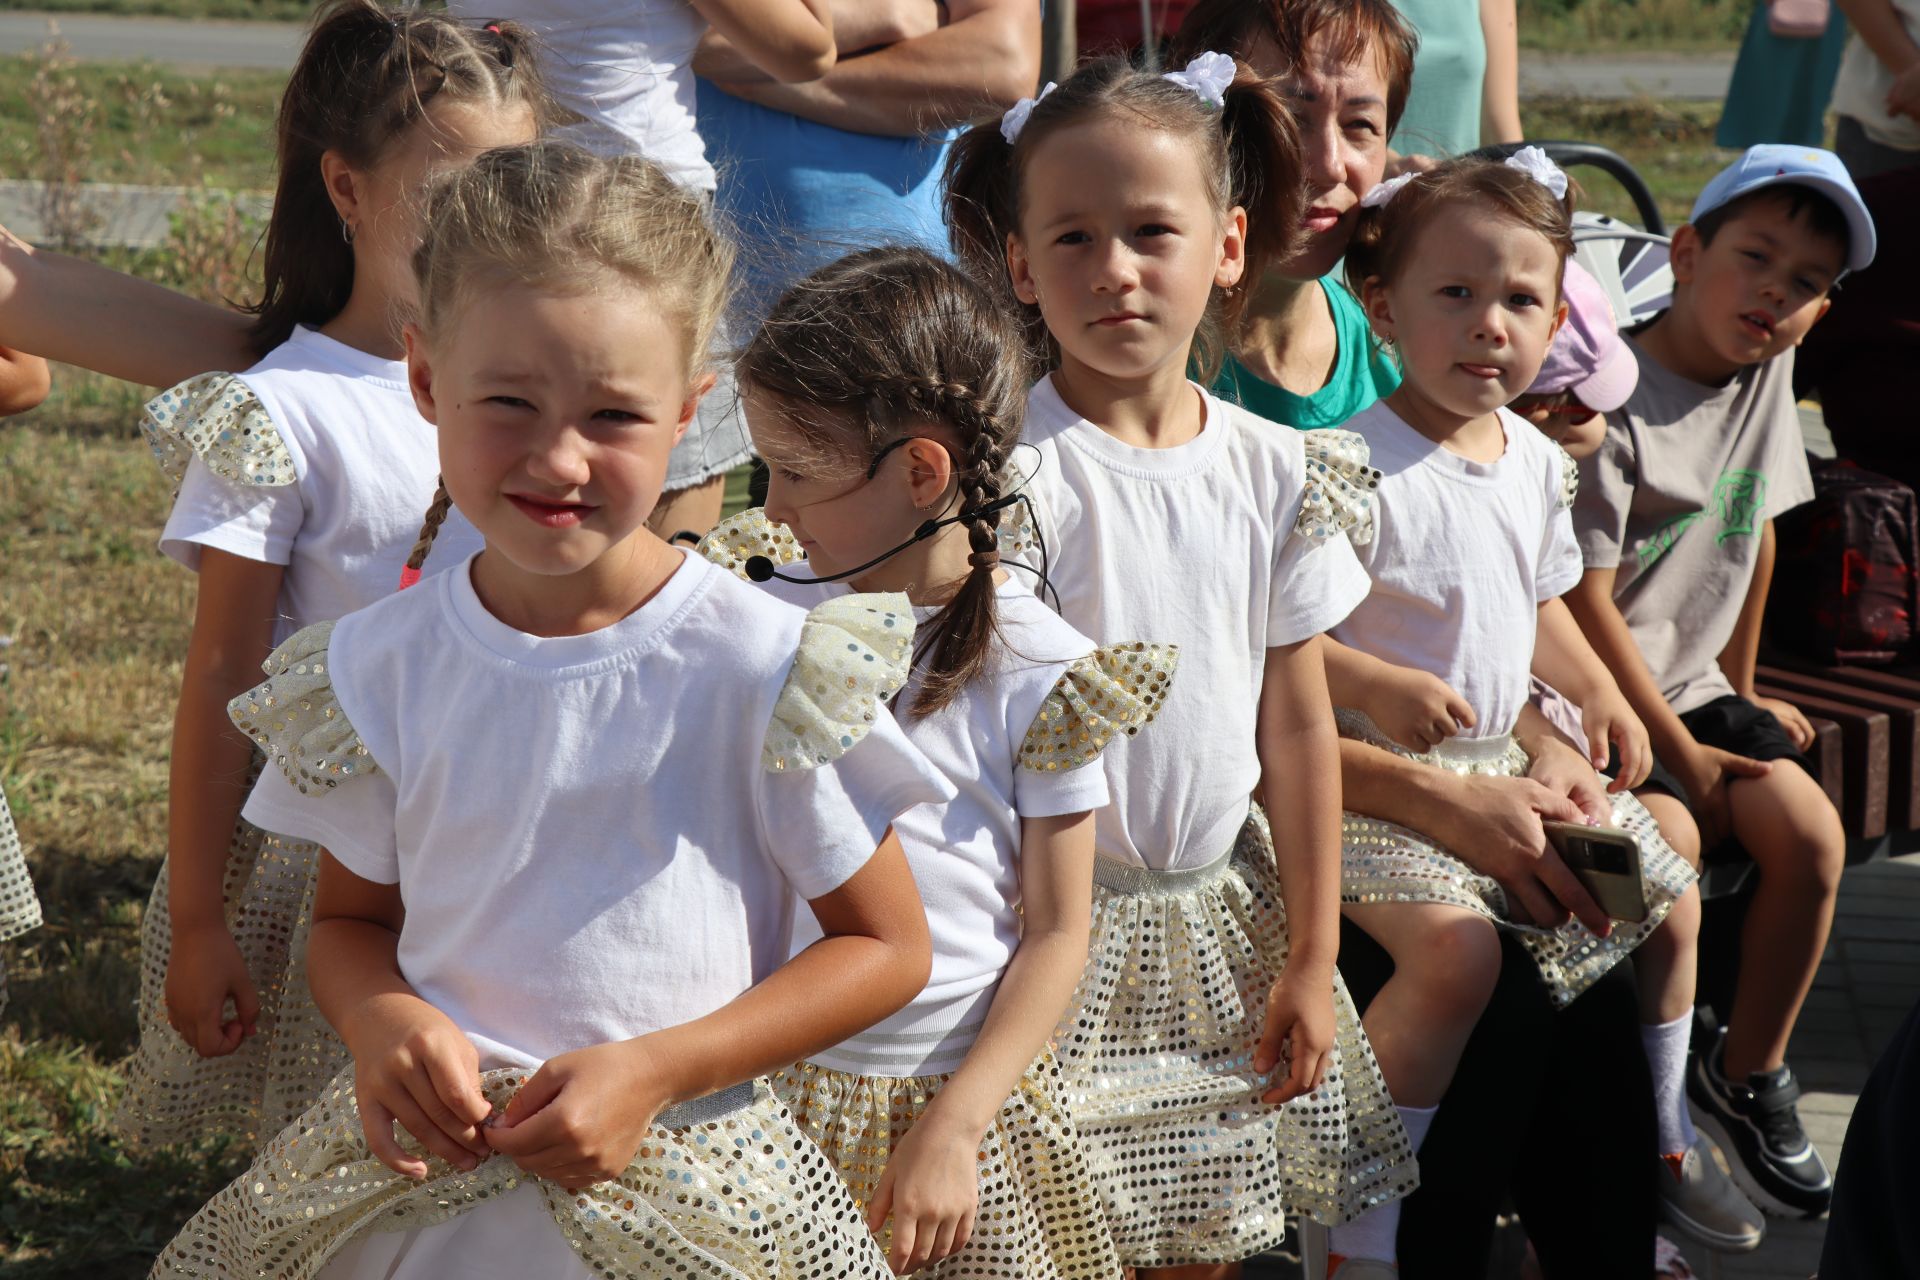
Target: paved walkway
point(204, 44)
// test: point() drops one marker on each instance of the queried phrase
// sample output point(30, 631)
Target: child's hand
point(1300, 1017)
point(1610, 721)
point(1791, 718)
point(205, 970)
point(581, 1117)
point(931, 1187)
point(1415, 708)
point(1563, 771)
point(1705, 774)
point(412, 1065)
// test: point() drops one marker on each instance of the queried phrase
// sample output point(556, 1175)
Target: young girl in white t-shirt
point(1215, 1064)
point(569, 791)
point(301, 483)
point(886, 394)
point(1459, 271)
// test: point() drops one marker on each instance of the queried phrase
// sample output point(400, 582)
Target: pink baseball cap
point(1587, 356)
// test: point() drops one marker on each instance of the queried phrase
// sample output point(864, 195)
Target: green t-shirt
point(1361, 374)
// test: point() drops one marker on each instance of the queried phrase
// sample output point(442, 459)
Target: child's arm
point(931, 1184)
point(1742, 654)
point(1300, 762)
point(1702, 770)
point(1560, 764)
point(24, 382)
point(83, 314)
point(1416, 709)
point(411, 1064)
point(791, 40)
point(1564, 659)
point(581, 1117)
point(232, 634)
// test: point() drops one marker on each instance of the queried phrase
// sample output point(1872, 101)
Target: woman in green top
point(1305, 355)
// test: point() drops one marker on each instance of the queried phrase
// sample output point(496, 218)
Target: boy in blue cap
point(1675, 520)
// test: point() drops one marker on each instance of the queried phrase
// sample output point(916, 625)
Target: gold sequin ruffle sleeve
point(855, 652)
point(1112, 691)
point(295, 717)
point(1569, 477)
point(746, 534)
point(1339, 489)
point(217, 417)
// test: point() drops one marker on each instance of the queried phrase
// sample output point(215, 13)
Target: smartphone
point(1607, 862)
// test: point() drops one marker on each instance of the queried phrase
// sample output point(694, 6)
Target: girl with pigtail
point(886, 393)
point(1216, 1068)
point(300, 483)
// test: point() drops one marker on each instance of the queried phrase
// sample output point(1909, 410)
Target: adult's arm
point(1886, 36)
point(24, 382)
point(1500, 90)
point(858, 25)
point(788, 39)
point(986, 57)
point(80, 313)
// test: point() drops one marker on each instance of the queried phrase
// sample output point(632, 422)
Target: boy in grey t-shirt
point(1675, 520)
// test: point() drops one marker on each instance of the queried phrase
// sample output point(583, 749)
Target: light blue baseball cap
point(1771, 164)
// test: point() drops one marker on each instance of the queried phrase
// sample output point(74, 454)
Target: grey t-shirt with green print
point(1676, 499)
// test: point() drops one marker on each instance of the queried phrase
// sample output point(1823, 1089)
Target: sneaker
point(1698, 1198)
point(1758, 1127)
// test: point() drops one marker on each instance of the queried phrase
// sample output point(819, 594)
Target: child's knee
point(1458, 956)
point(1676, 824)
point(1681, 928)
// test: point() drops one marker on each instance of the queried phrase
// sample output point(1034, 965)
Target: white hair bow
point(1016, 118)
point(1533, 162)
point(1210, 75)
point(1385, 191)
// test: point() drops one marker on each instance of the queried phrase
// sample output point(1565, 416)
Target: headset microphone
point(761, 568)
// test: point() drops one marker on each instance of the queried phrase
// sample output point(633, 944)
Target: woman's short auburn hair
point(1354, 29)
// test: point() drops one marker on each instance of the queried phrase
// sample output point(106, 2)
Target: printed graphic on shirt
point(1739, 500)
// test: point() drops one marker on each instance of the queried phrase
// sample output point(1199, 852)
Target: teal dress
point(1362, 374)
point(1443, 108)
point(1781, 86)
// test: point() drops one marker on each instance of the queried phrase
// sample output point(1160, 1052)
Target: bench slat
point(1903, 715)
point(1864, 739)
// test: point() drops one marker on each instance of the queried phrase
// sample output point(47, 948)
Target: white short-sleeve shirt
point(365, 463)
point(1464, 555)
point(966, 854)
point(586, 841)
point(1191, 546)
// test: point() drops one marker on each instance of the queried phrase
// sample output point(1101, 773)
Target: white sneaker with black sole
point(1758, 1127)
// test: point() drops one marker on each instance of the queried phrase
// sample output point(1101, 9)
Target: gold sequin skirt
point(1039, 1217)
point(19, 905)
point(723, 1187)
point(1383, 861)
point(1156, 1051)
point(175, 1095)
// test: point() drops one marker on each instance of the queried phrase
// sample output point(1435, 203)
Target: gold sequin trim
point(1156, 1052)
point(1112, 691)
point(216, 416)
point(295, 716)
point(1339, 488)
point(742, 1197)
point(1039, 1217)
point(853, 655)
point(746, 534)
point(1569, 477)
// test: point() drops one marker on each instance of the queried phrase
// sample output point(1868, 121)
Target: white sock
point(1666, 1047)
point(1372, 1234)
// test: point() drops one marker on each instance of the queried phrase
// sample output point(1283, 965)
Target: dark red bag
point(1844, 574)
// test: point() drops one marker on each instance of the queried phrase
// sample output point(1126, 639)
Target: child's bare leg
point(1445, 962)
point(1788, 825)
point(1665, 964)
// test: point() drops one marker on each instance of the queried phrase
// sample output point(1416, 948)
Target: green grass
point(137, 123)
point(271, 10)
point(1592, 26)
point(1669, 143)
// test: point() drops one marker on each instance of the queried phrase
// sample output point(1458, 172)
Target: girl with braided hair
point(1218, 1070)
point(300, 483)
point(886, 394)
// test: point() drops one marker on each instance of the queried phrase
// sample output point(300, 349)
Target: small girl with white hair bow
point(1459, 269)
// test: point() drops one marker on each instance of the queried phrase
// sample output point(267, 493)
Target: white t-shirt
point(1191, 546)
point(366, 464)
point(1860, 89)
point(966, 853)
point(1463, 557)
point(587, 843)
point(626, 67)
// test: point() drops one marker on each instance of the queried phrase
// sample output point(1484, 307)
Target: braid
point(960, 635)
point(429, 530)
